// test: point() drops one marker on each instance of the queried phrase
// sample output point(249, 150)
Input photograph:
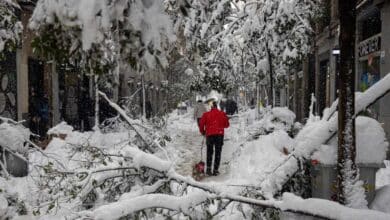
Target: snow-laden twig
point(4, 169)
point(45, 155)
point(8, 120)
point(126, 117)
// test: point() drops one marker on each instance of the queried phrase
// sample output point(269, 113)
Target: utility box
point(324, 180)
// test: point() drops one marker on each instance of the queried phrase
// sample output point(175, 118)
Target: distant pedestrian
point(148, 109)
point(222, 104)
point(199, 109)
point(212, 124)
point(231, 107)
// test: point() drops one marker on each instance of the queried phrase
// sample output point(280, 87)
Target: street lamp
point(336, 53)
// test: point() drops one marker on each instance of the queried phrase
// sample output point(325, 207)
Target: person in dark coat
point(148, 109)
point(231, 107)
point(212, 124)
point(33, 110)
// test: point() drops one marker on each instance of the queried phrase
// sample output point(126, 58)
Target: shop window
point(369, 75)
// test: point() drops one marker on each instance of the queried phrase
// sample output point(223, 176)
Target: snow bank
point(371, 144)
point(61, 128)
point(3, 205)
point(14, 137)
point(329, 209)
point(284, 114)
point(260, 157)
point(382, 199)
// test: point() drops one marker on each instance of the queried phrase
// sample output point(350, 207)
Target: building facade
point(372, 57)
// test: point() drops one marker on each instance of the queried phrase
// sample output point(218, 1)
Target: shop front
point(369, 52)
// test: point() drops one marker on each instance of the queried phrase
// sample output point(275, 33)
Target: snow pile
point(284, 114)
point(61, 128)
point(14, 136)
point(382, 199)
point(371, 144)
point(383, 175)
point(260, 157)
point(327, 209)
point(278, 118)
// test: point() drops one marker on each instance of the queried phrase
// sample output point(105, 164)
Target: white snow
point(3, 205)
point(14, 136)
point(382, 199)
point(329, 209)
point(371, 144)
point(61, 128)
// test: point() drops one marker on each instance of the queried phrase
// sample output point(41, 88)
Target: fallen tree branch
point(316, 133)
point(127, 119)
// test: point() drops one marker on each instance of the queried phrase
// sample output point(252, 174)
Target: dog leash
point(201, 149)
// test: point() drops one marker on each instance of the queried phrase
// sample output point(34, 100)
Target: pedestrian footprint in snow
point(199, 109)
point(212, 124)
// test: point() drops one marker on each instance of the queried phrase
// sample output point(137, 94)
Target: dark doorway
point(321, 98)
point(38, 99)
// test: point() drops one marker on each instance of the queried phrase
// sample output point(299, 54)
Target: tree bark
point(271, 77)
point(346, 167)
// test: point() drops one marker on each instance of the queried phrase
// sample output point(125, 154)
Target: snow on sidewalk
point(187, 144)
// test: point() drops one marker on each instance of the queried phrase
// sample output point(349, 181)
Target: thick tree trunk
point(346, 167)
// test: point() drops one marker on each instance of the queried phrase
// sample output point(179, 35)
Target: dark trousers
point(214, 144)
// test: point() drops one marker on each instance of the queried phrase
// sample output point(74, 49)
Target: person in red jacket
point(212, 124)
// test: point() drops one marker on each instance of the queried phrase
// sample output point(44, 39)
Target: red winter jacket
point(213, 122)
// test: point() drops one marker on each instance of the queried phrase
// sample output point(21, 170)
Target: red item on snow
point(198, 171)
point(213, 122)
point(200, 167)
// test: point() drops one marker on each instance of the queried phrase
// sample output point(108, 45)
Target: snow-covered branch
point(185, 204)
point(314, 134)
point(126, 117)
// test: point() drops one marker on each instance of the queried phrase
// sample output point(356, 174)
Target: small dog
point(198, 171)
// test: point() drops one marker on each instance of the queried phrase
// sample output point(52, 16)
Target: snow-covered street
point(188, 142)
point(106, 108)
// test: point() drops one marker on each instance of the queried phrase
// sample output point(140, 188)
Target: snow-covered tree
point(97, 33)
point(277, 32)
point(10, 27)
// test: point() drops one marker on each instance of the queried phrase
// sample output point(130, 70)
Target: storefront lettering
point(369, 46)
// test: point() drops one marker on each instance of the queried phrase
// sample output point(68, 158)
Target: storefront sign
point(370, 45)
